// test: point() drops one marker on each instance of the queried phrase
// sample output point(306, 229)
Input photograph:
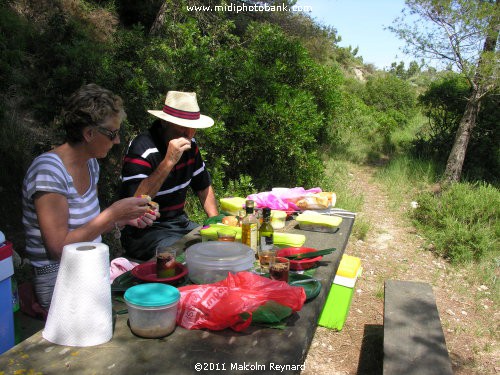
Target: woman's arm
point(53, 216)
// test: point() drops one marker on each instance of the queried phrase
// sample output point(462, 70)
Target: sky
point(361, 24)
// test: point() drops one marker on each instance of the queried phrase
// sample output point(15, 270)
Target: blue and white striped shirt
point(48, 174)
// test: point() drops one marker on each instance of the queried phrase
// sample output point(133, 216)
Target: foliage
point(399, 70)
point(464, 34)
point(369, 113)
point(274, 104)
point(453, 32)
point(463, 223)
point(392, 95)
point(444, 103)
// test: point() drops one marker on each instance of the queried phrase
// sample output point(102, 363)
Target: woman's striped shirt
point(48, 174)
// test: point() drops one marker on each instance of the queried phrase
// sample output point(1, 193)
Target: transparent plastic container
point(152, 309)
point(209, 262)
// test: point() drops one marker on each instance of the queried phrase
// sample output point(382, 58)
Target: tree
point(462, 33)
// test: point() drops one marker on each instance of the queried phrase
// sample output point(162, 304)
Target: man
point(163, 163)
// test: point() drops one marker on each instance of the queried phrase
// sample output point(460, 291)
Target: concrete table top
point(257, 350)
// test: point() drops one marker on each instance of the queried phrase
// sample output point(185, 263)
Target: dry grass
point(392, 249)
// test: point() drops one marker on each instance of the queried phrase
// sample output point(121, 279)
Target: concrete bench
point(414, 342)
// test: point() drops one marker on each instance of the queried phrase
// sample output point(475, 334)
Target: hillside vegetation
point(284, 96)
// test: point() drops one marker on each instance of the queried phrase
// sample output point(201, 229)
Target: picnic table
point(257, 350)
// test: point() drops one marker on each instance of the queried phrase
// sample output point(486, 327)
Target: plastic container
point(210, 233)
point(232, 205)
point(339, 299)
point(7, 337)
point(209, 262)
point(282, 239)
point(318, 223)
point(152, 309)
point(278, 219)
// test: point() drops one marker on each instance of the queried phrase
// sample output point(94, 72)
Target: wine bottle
point(266, 231)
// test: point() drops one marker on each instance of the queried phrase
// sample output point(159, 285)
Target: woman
point(60, 203)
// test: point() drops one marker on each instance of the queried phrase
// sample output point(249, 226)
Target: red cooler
point(6, 312)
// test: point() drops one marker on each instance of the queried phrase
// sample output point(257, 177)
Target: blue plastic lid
point(152, 294)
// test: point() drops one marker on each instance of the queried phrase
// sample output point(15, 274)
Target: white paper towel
point(80, 313)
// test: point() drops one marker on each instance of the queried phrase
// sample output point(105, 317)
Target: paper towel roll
point(80, 313)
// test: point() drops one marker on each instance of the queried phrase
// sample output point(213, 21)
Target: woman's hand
point(128, 209)
point(145, 220)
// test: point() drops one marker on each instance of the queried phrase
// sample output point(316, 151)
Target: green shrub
point(462, 223)
point(391, 95)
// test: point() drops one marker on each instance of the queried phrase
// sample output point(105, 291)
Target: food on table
point(230, 220)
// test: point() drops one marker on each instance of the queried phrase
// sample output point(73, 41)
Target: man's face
point(173, 131)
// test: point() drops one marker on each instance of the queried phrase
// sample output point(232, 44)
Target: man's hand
point(176, 148)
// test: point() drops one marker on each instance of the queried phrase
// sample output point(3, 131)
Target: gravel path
point(392, 249)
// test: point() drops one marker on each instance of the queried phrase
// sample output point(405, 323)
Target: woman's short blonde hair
point(90, 105)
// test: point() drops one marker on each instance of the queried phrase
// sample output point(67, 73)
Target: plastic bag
point(224, 304)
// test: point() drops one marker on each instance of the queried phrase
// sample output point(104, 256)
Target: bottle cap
point(266, 212)
point(250, 203)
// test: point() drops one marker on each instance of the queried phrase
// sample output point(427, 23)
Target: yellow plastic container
point(280, 239)
point(349, 266)
point(318, 223)
point(339, 299)
point(232, 205)
point(288, 239)
point(210, 233)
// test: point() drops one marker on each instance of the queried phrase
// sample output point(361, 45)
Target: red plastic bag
point(220, 305)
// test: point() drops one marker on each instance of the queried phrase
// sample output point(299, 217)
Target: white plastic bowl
point(209, 262)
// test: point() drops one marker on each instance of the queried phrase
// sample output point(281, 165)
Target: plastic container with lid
point(209, 233)
point(7, 337)
point(318, 223)
point(209, 262)
point(339, 299)
point(232, 205)
point(283, 239)
point(152, 309)
point(278, 219)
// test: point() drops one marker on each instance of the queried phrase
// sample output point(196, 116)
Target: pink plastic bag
point(220, 305)
point(281, 198)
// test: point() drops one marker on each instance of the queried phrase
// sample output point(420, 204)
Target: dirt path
point(392, 249)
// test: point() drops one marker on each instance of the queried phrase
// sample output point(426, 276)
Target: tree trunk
point(457, 155)
point(159, 20)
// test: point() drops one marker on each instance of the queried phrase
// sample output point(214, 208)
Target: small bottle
point(266, 231)
point(250, 227)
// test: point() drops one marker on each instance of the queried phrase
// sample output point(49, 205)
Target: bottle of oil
point(250, 227)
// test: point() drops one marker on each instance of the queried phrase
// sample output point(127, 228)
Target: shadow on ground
point(372, 351)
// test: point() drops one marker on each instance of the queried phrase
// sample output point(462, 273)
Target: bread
point(153, 205)
point(145, 196)
point(230, 220)
point(313, 202)
point(332, 197)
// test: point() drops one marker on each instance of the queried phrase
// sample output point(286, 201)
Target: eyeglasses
point(111, 134)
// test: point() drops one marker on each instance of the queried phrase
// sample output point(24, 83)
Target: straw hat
point(181, 108)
